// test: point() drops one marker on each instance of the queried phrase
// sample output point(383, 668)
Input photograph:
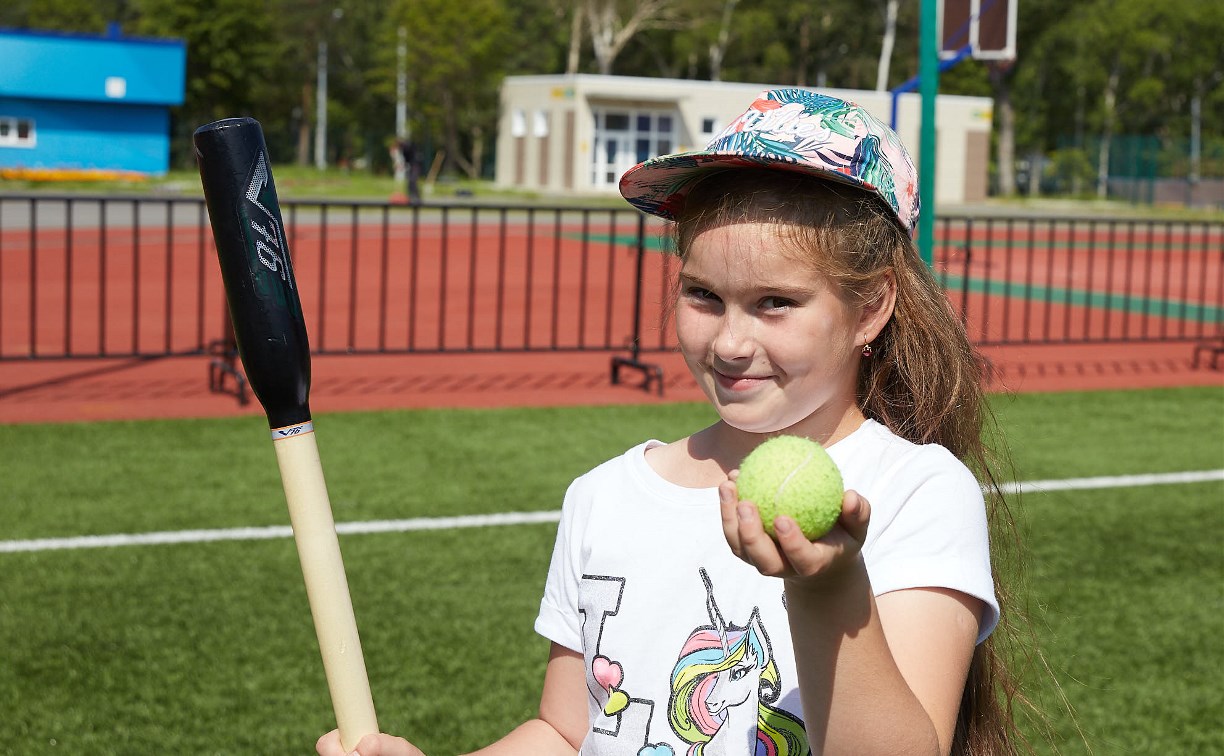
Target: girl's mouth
point(738, 382)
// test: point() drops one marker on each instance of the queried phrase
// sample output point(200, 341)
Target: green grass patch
point(1130, 584)
point(1079, 434)
point(209, 648)
point(310, 183)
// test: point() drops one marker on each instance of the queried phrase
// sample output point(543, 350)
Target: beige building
point(577, 134)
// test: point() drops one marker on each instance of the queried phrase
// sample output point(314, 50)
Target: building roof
point(84, 68)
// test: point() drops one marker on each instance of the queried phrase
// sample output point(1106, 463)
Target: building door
point(625, 137)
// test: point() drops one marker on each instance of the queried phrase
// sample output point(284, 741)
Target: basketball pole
point(928, 74)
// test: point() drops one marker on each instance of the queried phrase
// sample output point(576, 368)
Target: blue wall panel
point(92, 69)
point(95, 102)
point(91, 136)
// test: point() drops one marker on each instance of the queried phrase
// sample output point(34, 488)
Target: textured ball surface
point(793, 476)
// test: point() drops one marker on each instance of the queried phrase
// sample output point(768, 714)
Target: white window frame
point(605, 171)
point(11, 137)
point(518, 122)
point(539, 123)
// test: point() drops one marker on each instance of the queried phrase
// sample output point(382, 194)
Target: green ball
point(793, 476)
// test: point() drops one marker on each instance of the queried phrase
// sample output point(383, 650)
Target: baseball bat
point(271, 335)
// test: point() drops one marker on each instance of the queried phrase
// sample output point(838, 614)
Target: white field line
point(1112, 481)
point(275, 531)
point(515, 518)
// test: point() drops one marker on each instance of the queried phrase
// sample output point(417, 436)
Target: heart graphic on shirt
point(616, 703)
point(607, 673)
point(656, 750)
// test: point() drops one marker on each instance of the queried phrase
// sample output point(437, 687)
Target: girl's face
point(768, 339)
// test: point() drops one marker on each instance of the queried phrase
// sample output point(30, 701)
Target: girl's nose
point(734, 338)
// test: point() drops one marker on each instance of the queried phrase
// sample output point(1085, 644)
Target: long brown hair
point(924, 380)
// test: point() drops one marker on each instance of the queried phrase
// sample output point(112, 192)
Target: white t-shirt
point(687, 648)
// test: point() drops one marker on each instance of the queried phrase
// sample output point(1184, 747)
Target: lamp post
point(401, 83)
point(401, 99)
point(320, 145)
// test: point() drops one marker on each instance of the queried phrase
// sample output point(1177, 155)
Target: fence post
point(650, 373)
point(966, 271)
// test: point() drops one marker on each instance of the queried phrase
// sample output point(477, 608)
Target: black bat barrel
point(256, 266)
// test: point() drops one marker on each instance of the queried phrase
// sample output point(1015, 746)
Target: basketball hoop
point(981, 29)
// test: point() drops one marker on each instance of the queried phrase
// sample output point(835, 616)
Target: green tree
point(455, 54)
point(612, 24)
point(1095, 69)
point(1013, 132)
point(361, 82)
point(1085, 70)
point(91, 16)
point(234, 65)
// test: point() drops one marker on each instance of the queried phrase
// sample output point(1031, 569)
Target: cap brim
point(660, 186)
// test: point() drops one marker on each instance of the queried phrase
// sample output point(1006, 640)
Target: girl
point(677, 625)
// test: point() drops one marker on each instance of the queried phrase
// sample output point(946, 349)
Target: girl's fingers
point(856, 514)
point(728, 499)
point(836, 548)
point(756, 547)
point(789, 553)
point(329, 744)
point(370, 745)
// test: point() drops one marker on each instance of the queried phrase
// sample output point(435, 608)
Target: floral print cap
point(793, 130)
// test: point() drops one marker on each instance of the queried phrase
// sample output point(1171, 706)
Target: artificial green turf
point(117, 477)
point(1130, 586)
point(1088, 433)
point(208, 648)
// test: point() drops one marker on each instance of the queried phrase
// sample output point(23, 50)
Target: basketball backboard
point(987, 28)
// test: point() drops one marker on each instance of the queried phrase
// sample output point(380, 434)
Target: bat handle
point(314, 531)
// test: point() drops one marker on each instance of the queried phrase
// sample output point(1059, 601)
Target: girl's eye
point(775, 303)
point(696, 292)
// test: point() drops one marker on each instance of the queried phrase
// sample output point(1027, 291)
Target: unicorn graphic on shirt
point(723, 686)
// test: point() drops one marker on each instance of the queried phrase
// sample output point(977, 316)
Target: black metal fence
point(100, 277)
point(1052, 280)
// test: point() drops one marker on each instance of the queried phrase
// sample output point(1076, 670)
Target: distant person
point(802, 307)
point(412, 168)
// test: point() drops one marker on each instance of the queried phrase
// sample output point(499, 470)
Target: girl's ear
point(878, 309)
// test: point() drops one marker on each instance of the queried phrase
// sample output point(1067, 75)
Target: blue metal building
point(87, 103)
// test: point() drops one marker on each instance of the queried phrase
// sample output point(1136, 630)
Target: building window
point(540, 123)
point(626, 137)
point(518, 123)
point(616, 121)
point(116, 87)
point(17, 132)
point(707, 127)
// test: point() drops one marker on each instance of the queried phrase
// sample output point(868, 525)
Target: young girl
point(677, 625)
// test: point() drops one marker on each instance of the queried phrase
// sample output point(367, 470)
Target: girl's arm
point(562, 723)
point(877, 676)
point(557, 731)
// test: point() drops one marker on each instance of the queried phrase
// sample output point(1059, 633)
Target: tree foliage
point(1086, 70)
point(234, 63)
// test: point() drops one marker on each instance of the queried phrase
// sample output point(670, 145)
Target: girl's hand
point(370, 745)
point(792, 556)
